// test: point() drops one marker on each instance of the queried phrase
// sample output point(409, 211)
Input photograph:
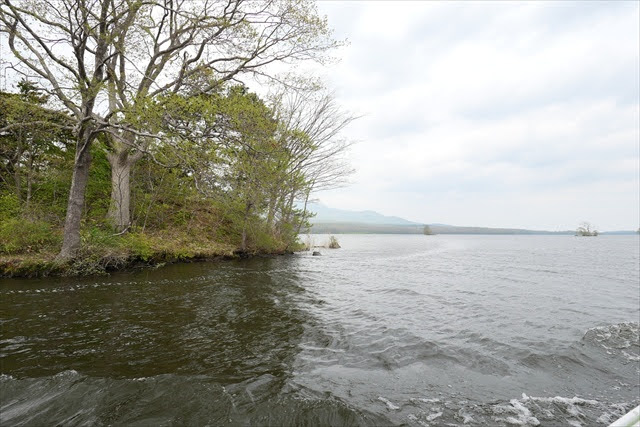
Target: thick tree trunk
point(71, 239)
point(119, 214)
point(243, 245)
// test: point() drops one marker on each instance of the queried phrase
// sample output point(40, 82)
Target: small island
point(585, 229)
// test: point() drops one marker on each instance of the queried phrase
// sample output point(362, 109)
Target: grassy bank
point(190, 198)
point(170, 222)
point(103, 253)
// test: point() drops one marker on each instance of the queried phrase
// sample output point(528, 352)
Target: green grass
point(103, 252)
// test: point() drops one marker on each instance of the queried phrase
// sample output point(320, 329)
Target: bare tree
point(311, 125)
point(109, 62)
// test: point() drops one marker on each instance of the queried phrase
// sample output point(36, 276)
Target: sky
point(492, 114)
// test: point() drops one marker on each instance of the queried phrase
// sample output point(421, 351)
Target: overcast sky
point(491, 114)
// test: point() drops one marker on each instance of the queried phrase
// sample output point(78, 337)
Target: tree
point(31, 134)
point(310, 126)
point(225, 142)
point(427, 231)
point(262, 158)
point(107, 63)
point(585, 229)
point(37, 32)
point(248, 153)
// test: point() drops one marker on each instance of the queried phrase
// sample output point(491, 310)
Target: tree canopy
point(160, 82)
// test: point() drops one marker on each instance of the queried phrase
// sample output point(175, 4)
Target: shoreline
point(33, 266)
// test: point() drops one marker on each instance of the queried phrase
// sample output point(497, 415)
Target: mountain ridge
point(325, 214)
point(341, 221)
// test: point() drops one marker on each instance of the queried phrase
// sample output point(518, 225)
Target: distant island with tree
point(587, 230)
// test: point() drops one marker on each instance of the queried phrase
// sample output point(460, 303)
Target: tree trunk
point(71, 238)
point(119, 214)
point(16, 179)
point(273, 202)
point(29, 179)
point(304, 213)
point(16, 168)
point(289, 207)
point(243, 246)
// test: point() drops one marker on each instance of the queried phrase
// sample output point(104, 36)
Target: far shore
point(366, 228)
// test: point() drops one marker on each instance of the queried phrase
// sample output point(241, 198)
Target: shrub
point(333, 243)
point(24, 236)
point(308, 244)
point(98, 238)
point(9, 206)
point(139, 245)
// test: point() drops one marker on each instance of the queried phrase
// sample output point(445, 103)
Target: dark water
point(388, 330)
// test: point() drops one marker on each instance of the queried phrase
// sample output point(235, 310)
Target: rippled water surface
point(415, 330)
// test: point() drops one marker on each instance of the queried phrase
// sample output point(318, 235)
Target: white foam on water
point(466, 417)
point(605, 418)
point(617, 337)
point(432, 417)
point(389, 404)
point(570, 404)
point(415, 419)
point(572, 401)
point(616, 411)
point(522, 414)
point(66, 374)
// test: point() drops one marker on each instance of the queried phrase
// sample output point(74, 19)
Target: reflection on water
point(388, 330)
point(230, 324)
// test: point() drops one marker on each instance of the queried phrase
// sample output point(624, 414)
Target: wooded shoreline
point(45, 265)
point(163, 135)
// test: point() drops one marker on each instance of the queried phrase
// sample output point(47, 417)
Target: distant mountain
point(325, 214)
point(361, 228)
point(339, 221)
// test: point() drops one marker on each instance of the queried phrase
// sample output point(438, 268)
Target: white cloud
point(501, 114)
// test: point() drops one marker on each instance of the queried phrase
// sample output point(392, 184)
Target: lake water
point(390, 329)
